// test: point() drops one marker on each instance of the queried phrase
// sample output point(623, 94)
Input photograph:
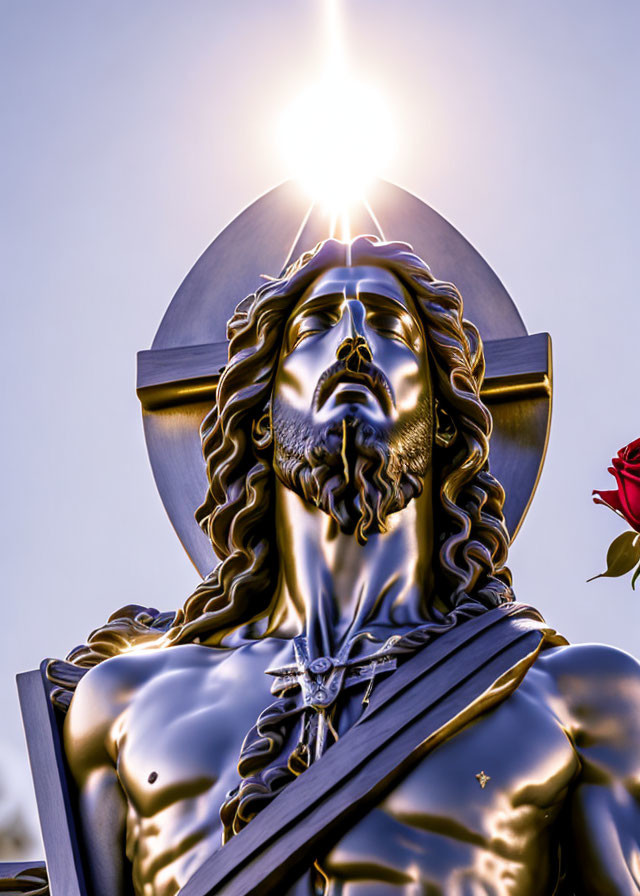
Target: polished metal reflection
point(355, 516)
point(177, 379)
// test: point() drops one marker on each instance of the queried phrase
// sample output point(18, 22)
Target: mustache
point(367, 373)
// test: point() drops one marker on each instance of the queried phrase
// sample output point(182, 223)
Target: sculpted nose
point(355, 349)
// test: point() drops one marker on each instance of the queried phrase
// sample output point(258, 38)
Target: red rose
point(626, 500)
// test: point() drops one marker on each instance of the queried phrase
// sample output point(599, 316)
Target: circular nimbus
point(176, 379)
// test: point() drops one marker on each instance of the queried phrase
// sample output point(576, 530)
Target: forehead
point(357, 282)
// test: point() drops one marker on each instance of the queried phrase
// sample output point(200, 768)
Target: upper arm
point(600, 690)
point(103, 812)
point(90, 749)
point(87, 728)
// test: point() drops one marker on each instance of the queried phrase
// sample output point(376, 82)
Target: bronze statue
point(357, 526)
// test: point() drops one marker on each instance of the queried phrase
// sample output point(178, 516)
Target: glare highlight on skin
point(337, 134)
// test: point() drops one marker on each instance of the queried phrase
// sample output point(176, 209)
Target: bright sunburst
point(337, 135)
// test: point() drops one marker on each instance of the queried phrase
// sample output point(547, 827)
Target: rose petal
point(610, 499)
point(629, 492)
point(631, 473)
point(625, 468)
point(631, 461)
point(626, 508)
point(630, 450)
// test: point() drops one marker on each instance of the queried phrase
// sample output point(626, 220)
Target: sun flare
point(337, 135)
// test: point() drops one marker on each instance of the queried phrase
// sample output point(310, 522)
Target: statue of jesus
point(356, 520)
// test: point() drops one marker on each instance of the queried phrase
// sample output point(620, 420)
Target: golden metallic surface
point(351, 502)
point(178, 377)
point(24, 879)
point(174, 377)
point(563, 750)
point(534, 384)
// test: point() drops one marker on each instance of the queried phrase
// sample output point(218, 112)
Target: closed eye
point(395, 327)
point(310, 324)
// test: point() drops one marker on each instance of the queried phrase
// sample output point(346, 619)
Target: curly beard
point(356, 472)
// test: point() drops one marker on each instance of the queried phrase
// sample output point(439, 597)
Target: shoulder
point(107, 690)
point(577, 666)
point(596, 692)
point(109, 686)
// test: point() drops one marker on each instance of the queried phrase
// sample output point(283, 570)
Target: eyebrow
point(386, 297)
point(320, 299)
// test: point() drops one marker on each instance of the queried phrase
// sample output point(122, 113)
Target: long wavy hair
point(238, 511)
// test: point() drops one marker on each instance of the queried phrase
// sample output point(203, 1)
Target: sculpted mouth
point(368, 376)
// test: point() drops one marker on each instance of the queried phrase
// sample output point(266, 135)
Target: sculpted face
point(354, 344)
point(352, 402)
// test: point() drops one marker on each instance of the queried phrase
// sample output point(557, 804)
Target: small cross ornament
point(483, 779)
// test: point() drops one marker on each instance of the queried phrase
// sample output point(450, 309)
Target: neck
point(331, 588)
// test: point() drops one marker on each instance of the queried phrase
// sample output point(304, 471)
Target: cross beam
point(515, 368)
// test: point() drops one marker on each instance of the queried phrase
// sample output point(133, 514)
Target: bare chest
point(479, 815)
point(183, 732)
point(483, 804)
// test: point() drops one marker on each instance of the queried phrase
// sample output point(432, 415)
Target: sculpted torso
point(154, 738)
point(349, 493)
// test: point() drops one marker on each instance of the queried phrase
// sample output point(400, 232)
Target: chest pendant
point(321, 681)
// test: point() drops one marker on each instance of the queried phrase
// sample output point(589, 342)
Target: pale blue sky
point(133, 132)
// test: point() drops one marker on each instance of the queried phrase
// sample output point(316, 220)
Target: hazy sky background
point(134, 132)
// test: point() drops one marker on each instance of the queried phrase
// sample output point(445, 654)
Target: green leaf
point(622, 556)
point(635, 576)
